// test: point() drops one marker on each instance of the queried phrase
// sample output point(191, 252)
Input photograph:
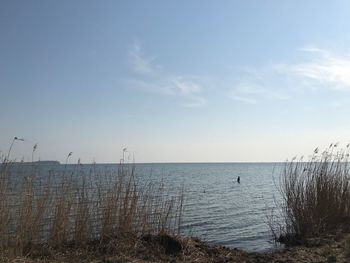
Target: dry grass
point(315, 197)
point(79, 209)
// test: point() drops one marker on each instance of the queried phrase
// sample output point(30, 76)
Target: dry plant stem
point(70, 208)
point(315, 197)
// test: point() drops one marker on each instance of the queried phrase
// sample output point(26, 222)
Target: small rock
point(331, 259)
point(313, 242)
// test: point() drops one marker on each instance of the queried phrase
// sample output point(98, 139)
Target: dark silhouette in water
point(238, 179)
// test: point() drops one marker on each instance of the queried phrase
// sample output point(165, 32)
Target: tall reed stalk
point(315, 197)
point(79, 208)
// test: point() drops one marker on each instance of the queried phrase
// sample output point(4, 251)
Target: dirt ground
point(169, 249)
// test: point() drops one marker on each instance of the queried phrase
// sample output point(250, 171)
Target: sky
point(173, 81)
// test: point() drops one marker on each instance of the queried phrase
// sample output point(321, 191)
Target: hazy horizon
point(131, 163)
point(184, 81)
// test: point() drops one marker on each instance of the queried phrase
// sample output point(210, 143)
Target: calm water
point(216, 208)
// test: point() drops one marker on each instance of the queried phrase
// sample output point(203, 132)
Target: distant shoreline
point(39, 162)
point(49, 162)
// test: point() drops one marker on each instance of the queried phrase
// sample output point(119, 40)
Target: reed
point(78, 209)
point(315, 197)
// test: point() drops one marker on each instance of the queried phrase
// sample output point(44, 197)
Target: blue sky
point(174, 81)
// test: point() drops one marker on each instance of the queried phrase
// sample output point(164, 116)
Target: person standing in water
point(239, 179)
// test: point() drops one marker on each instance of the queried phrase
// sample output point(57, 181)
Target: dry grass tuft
point(315, 197)
point(78, 209)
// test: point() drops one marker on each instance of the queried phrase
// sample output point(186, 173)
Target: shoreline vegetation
point(114, 218)
point(315, 197)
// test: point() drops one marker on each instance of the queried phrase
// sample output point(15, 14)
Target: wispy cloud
point(151, 77)
point(327, 68)
point(248, 100)
point(252, 90)
point(318, 68)
point(191, 91)
point(139, 63)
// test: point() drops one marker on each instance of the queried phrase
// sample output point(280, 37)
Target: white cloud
point(194, 102)
point(250, 92)
point(318, 68)
point(139, 63)
point(187, 87)
point(150, 76)
point(191, 91)
point(326, 68)
point(243, 99)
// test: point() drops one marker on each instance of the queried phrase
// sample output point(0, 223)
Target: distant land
point(40, 162)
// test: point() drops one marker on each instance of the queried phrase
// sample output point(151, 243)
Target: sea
point(220, 210)
point(217, 208)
